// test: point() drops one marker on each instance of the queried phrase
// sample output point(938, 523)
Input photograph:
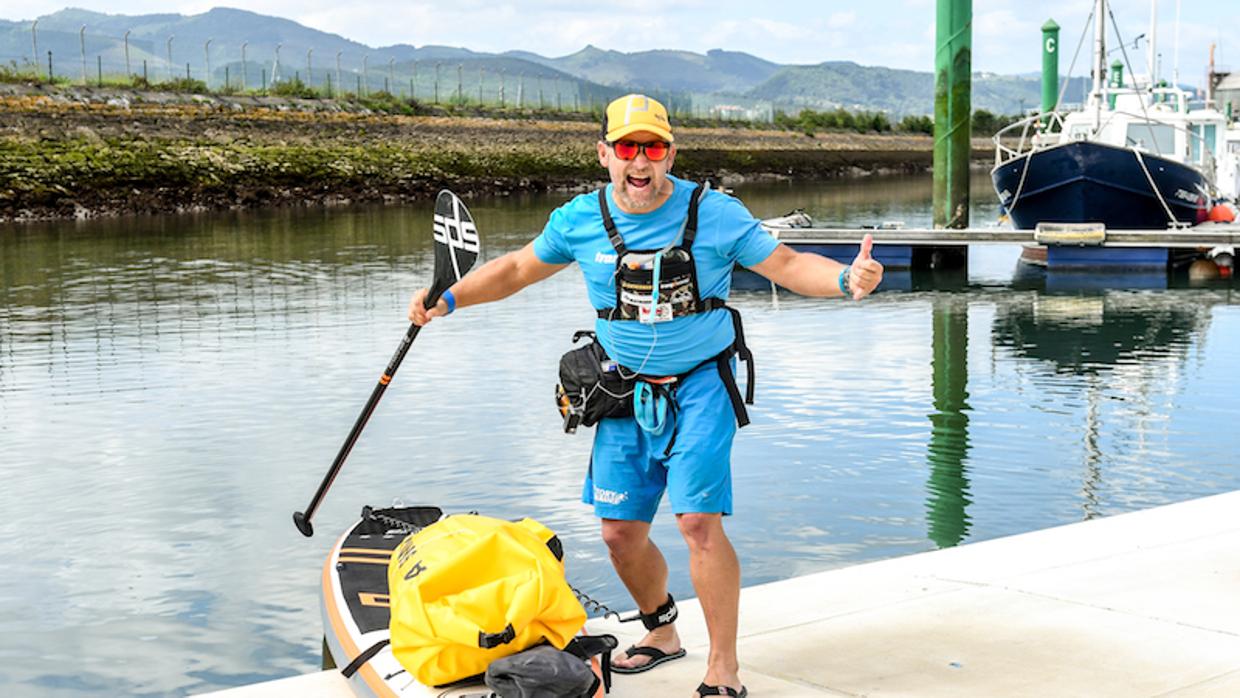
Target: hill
point(210, 46)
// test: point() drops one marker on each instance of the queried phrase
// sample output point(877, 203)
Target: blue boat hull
point(1086, 182)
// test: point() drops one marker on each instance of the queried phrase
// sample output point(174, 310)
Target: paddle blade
point(456, 244)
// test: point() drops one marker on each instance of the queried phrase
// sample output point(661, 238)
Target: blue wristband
point(451, 299)
point(843, 280)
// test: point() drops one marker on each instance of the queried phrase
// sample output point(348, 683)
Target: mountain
point(173, 45)
point(663, 71)
point(851, 86)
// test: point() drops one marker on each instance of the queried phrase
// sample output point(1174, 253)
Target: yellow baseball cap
point(634, 113)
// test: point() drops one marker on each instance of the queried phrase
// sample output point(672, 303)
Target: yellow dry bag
point(470, 589)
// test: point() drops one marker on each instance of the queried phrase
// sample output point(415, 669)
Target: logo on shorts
point(605, 258)
point(610, 496)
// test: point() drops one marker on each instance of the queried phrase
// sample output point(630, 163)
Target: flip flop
point(657, 657)
point(707, 690)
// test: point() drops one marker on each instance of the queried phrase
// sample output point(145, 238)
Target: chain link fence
point(228, 66)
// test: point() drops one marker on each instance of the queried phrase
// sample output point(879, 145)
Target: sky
point(892, 33)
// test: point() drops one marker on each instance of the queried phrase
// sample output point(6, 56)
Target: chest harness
point(654, 286)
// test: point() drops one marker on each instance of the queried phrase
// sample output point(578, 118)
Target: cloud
point(839, 20)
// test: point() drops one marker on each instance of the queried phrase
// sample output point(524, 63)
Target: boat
point(355, 607)
point(1139, 156)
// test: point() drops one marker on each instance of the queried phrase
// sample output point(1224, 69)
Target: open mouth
point(638, 182)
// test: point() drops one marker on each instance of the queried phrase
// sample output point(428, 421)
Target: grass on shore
point(45, 171)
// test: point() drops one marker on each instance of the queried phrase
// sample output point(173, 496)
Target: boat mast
point(1100, 58)
point(1152, 49)
point(1175, 72)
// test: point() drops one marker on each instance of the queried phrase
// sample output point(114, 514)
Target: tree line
point(809, 121)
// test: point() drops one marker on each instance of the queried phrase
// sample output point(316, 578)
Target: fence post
point(128, 72)
point(264, 80)
point(34, 46)
point(459, 97)
point(50, 75)
point(226, 79)
point(82, 40)
point(145, 78)
point(99, 69)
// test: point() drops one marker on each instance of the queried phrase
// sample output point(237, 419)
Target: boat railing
point(1043, 129)
point(1028, 134)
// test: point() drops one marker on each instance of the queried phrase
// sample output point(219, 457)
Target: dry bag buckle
point(492, 640)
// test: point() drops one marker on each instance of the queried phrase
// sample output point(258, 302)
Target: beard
point(641, 199)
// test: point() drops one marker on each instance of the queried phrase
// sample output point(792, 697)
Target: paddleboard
point(356, 610)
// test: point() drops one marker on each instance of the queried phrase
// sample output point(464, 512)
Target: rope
point(1149, 123)
point(1021, 184)
point(1081, 42)
point(1172, 220)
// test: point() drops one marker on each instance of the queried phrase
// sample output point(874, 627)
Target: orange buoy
point(1222, 213)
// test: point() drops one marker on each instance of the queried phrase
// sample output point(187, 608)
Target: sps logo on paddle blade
point(456, 233)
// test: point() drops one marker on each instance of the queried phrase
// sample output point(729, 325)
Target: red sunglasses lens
point(625, 150)
point(656, 151)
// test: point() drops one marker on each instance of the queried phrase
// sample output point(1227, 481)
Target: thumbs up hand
point(865, 273)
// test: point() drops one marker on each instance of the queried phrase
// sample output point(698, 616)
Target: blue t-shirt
point(727, 234)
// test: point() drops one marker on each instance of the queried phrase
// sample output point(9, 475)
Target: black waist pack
point(591, 386)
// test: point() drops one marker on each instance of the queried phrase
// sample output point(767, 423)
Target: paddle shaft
point(302, 519)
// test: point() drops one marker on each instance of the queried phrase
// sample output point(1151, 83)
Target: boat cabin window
point(1156, 138)
point(1202, 135)
point(1079, 132)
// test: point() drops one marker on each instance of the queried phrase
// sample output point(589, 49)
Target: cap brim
point(618, 133)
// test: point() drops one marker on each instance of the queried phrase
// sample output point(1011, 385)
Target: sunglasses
point(656, 151)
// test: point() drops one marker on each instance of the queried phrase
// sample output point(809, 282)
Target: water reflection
point(948, 488)
point(1089, 333)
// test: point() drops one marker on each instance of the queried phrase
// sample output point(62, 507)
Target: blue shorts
point(630, 468)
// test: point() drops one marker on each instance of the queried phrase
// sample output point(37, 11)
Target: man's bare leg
point(716, 575)
point(644, 572)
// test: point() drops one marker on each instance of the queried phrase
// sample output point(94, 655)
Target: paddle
point(456, 248)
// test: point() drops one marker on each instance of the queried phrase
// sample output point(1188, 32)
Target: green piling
point(952, 127)
point(1117, 81)
point(1050, 66)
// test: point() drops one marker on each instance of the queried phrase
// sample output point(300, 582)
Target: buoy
point(1203, 270)
point(1222, 213)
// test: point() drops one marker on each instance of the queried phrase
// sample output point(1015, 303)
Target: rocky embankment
point(73, 152)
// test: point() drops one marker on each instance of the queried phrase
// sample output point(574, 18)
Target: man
point(632, 241)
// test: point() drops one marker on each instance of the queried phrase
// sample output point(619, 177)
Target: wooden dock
point(1208, 235)
point(1068, 246)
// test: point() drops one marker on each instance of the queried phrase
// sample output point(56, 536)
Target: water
point(173, 388)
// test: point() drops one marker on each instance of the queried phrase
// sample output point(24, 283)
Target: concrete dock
point(1141, 604)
